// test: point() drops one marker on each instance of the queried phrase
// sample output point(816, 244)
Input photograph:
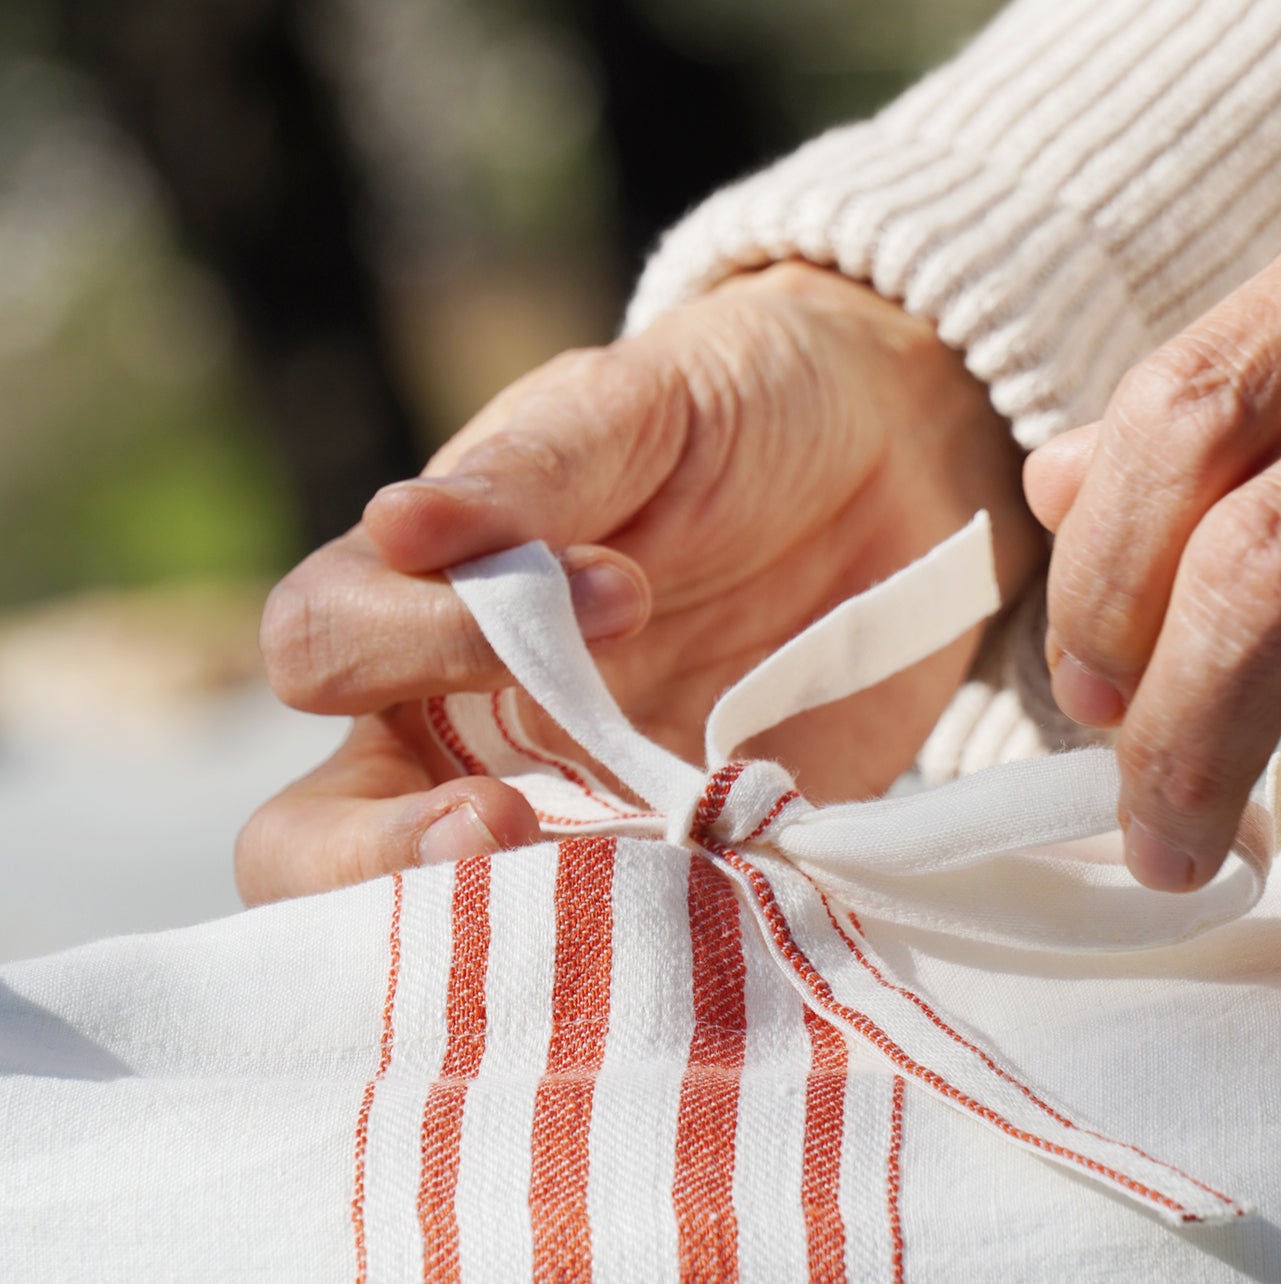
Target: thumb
point(320, 834)
point(568, 454)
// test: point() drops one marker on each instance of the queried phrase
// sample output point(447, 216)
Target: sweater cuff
point(1083, 180)
point(1008, 276)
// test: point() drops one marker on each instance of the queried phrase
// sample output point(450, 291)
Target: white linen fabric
point(645, 1052)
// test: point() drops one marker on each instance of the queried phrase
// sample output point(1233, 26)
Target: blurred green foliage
point(132, 453)
point(133, 444)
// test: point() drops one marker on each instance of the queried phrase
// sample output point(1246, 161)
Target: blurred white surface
point(108, 829)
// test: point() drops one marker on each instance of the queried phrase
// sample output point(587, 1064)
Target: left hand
point(714, 484)
point(1165, 581)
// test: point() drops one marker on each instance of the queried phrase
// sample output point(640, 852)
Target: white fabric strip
point(1046, 800)
point(769, 1144)
point(985, 824)
point(632, 1148)
point(983, 858)
point(521, 600)
point(393, 1157)
point(491, 731)
point(495, 1237)
point(956, 1068)
point(865, 1148)
point(881, 632)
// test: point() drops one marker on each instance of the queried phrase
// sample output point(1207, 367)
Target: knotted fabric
point(987, 858)
point(979, 858)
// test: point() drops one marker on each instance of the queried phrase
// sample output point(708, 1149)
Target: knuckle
point(1232, 570)
point(542, 461)
point(283, 636)
point(460, 657)
point(1096, 609)
point(318, 662)
point(624, 385)
point(297, 647)
point(627, 394)
point(1195, 395)
point(1243, 533)
point(721, 376)
point(1189, 789)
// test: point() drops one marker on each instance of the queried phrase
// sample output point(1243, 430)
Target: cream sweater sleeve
point(1086, 178)
point(1083, 180)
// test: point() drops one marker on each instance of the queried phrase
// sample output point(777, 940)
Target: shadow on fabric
point(35, 1042)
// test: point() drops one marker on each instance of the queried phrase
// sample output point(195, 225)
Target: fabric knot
point(738, 803)
point(986, 858)
point(977, 858)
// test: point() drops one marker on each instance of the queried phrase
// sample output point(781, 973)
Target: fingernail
point(606, 600)
point(1156, 863)
point(1084, 696)
point(457, 835)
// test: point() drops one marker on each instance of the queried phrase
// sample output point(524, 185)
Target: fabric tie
point(927, 859)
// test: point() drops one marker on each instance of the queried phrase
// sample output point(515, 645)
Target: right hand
point(1164, 615)
point(714, 483)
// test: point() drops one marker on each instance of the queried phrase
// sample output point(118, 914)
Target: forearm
point(1086, 177)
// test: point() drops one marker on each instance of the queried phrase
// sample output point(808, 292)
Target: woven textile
point(719, 1035)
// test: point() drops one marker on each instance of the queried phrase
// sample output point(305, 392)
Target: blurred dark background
point(258, 257)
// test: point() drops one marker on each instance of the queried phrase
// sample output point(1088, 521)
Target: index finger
point(1193, 422)
point(343, 633)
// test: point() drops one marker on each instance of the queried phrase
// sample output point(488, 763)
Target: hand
point(715, 483)
point(1165, 581)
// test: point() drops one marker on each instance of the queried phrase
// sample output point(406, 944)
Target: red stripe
point(449, 739)
point(564, 768)
point(707, 1230)
point(715, 796)
point(824, 1124)
point(932, 1016)
point(775, 922)
point(892, 1180)
point(709, 809)
point(367, 1101)
point(992, 1065)
point(580, 1021)
point(443, 1112)
point(772, 815)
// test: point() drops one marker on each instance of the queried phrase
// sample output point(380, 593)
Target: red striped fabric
point(580, 1021)
point(892, 1180)
point(448, 738)
point(384, 1060)
point(443, 1112)
point(824, 1125)
point(707, 1229)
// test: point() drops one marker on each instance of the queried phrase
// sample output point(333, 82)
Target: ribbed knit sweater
point(1084, 180)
